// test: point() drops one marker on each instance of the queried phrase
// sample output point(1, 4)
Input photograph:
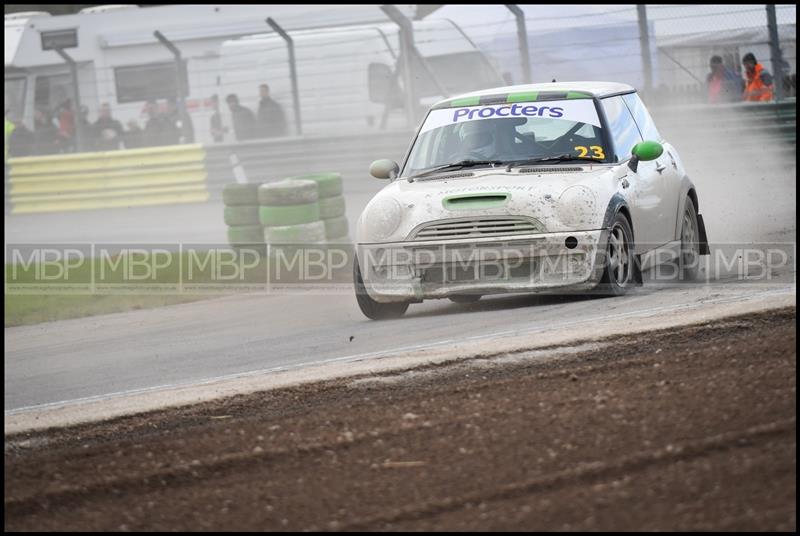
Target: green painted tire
point(240, 194)
point(242, 215)
point(246, 234)
point(288, 215)
point(330, 184)
point(336, 227)
point(287, 192)
point(340, 241)
point(331, 207)
point(307, 233)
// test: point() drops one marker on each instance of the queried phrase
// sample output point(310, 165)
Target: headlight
point(577, 207)
point(382, 218)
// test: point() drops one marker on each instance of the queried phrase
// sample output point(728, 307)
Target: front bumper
point(413, 271)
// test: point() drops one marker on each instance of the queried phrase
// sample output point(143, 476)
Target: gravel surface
point(691, 428)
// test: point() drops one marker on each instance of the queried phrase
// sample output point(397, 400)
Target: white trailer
point(121, 62)
point(346, 75)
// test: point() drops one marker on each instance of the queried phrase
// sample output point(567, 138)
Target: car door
point(650, 225)
point(665, 165)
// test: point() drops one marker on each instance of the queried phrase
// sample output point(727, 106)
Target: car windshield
point(508, 133)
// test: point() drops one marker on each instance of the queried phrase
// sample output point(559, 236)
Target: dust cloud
point(743, 170)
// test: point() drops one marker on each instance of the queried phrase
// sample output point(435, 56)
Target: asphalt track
point(74, 360)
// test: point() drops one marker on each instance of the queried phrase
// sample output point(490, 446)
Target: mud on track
point(693, 428)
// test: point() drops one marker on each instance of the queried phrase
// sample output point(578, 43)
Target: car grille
point(476, 228)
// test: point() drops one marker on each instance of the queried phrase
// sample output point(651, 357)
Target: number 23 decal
point(597, 151)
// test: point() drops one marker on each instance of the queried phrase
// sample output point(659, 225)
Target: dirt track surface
point(689, 429)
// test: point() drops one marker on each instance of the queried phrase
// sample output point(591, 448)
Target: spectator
point(66, 124)
point(107, 131)
point(46, 139)
point(217, 129)
point(159, 129)
point(172, 122)
point(154, 124)
point(87, 132)
point(244, 121)
point(271, 119)
point(723, 84)
point(20, 140)
point(134, 136)
point(759, 86)
point(181, 120)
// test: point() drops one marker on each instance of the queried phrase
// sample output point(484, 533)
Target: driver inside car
point(477, 141)
point(496, 139)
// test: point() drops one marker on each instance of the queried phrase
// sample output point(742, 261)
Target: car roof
point(533, 92)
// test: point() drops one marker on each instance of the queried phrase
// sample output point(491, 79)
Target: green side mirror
point(647, 150)
point(644, 151)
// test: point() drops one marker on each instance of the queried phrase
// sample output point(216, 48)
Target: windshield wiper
point(457, 165)
point(566, 157)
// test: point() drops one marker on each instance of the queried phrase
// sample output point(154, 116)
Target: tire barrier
point(240, 194)
point(336, 229)
point(331, 207)
point(242, 215)
point(245, 235)
point(305, 233)
point(288, 192)
point(307, 209)
point(124, 178)
point(289, 215)
point(328, 184)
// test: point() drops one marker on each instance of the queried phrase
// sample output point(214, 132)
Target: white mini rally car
point(532, 188)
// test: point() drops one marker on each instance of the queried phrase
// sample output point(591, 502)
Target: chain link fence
point(662, 50)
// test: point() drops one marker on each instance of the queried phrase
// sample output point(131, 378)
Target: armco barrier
point(756, 126)
point(273, 159)
point(132, 177)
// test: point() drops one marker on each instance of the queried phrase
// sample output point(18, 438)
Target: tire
point(331, 207)
point(288, 192)
point(307, 233)
point(242, 215)
point(329, 184)
point(288, 215)
point(689, 259)
point(465, 298)
point(240, 194)
point(372, 309)
point(336, 227)
point(619, 259)
point(246, 234)
point(340, 240)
